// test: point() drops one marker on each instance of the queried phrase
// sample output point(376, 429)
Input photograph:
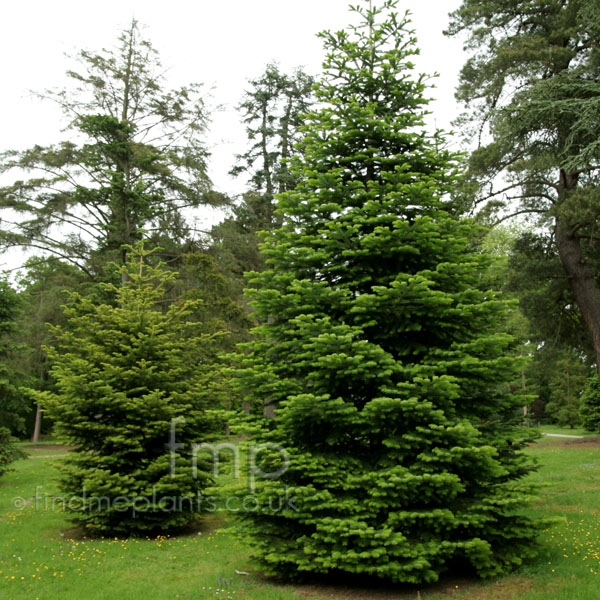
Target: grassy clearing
point(569, 565)
point(565, 430)
point(41, 556)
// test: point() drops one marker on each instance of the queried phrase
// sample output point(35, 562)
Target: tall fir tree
point(135, 385)
point(379, 357)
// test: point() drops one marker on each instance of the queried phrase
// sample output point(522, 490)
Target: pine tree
point(135, 388)
point(379, 356)
point(272, 110)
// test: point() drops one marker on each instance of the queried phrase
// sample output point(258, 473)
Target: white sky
point(221, 43)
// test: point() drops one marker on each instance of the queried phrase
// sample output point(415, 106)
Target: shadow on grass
point(465, 585)
point(205, 524)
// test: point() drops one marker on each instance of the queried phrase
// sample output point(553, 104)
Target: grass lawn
point(41, 556)
point(564, 430)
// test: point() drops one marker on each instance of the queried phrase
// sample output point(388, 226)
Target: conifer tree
point(135, 388)
point(531, 93)
point(379, 355)
point(135, 161)
point(272, 110)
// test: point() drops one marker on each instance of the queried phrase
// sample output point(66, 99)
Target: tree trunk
point(37, 429)
point(582, 281)
point(581, 276)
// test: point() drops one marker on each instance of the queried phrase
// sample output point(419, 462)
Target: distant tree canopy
point(13, 408)
point(134, 160)
point(272, 110)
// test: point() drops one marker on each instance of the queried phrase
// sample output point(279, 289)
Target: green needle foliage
point(11, 403)
point(379, 366)
point(13, 407)
point(590, 409)
point(9, 452)
point(127, 375)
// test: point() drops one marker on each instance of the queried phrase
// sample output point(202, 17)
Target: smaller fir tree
point(131, 379)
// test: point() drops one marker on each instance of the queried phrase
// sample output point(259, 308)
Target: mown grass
point(569, 563)
point(41, 556)
point(564, 430)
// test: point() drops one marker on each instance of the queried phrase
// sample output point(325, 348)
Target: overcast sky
point(220, 43)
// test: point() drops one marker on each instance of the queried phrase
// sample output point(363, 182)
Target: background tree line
point(134, 164)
